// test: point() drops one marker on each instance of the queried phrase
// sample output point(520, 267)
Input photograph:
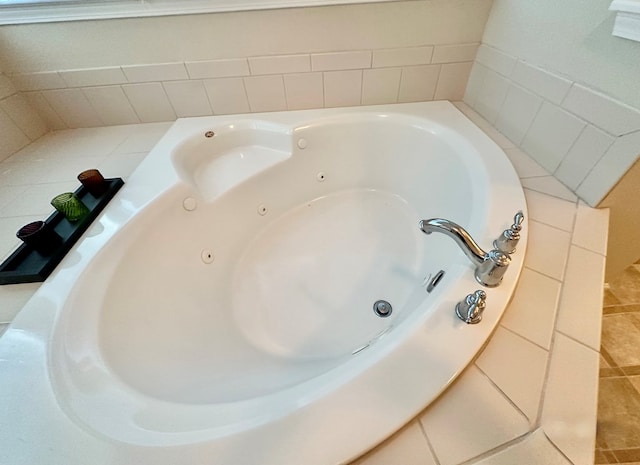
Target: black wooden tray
point(26, 265)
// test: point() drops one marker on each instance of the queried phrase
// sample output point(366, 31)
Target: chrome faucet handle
point(509, 238)
point(471, 308)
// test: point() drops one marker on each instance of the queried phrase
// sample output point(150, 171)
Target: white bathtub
point(220, 309)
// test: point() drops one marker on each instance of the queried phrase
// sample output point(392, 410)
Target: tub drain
point(382, 308)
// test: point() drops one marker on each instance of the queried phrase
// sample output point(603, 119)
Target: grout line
point(553, 444)
point(499, 106)
point(577, 341)
point(498, 449)
point(246, 94)
point(284, 92)
point(168, 98)
point(435, 88)
point(397, 94)
point(206, 99)
point(130, 104)
point(588, 250)
point(531, 421)
point(324, 103)
point(549, 194)
point(526, 132)
point(53, 108)
point(206, 92)
point(244, 83)
point(537, 177)
point(572, 202)
point(400, 83)
point(251, 72)
point(570, 148)
point(607, 357)
point(433, 52)
point(633, 131)
point(545, 383)
point(473, 102)
point(429, 445)
point(15, 123)
point(566, 95)
point(97, 113)
point(555, 227)
point(186, 68)
point(604, 154)
point(543, 274)
point(549, 224)
point(521, 336)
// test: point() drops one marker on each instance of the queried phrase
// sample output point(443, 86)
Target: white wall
point(19, 122)
point(552, 78)
point(89, 44)
point(570, 37)
point(122, 71)
point(585, 138)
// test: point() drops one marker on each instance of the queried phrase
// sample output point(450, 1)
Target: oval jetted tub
point(225, 307)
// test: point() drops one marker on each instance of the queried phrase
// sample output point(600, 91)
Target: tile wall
point(20, 124)
point(584, 138)
point(164, 91)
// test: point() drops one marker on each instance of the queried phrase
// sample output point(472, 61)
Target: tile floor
point(618, 436)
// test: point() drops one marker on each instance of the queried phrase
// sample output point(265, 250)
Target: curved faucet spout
point(458, 234)
point(489, 266)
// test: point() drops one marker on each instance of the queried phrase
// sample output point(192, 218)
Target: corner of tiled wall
point(164, 91)
point(20, 124)
point(586, 139)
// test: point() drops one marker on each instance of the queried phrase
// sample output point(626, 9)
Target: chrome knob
point(509, 238)
point(471, 308)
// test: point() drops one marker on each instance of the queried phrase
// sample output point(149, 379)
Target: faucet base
point(492, 269)
point(480, 280)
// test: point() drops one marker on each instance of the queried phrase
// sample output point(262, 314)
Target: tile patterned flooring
point(618, 436)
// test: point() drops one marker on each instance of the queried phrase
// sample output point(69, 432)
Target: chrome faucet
point(470, 309)
point(509, 238)
point(490, 266)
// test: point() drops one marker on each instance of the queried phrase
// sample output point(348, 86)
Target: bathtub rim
point(27, 320)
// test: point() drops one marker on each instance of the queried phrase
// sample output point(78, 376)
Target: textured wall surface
point(91, 44)
point(571, 101)
point(20, 124)
point(571, 38)
point(123, 71)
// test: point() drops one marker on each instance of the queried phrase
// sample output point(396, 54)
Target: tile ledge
point(577, 341)
point(534, 445)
